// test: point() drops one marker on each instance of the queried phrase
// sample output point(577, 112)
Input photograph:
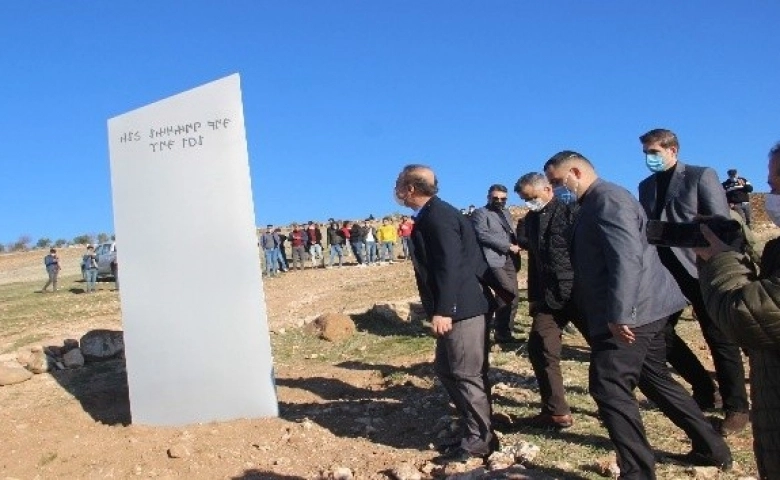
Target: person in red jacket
point(298, 240)
point(405, 234)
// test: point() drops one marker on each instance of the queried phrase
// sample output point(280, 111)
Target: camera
point(688, 234)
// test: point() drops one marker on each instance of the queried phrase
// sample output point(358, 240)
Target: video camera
point(688, 234)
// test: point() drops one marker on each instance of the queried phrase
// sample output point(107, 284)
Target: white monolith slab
point(193, 310)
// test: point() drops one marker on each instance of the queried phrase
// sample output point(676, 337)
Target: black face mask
point(497, 204)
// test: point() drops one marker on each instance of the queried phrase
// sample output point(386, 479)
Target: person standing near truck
point(90, 267)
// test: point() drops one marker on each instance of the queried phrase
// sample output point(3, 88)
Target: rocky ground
point(364, 407)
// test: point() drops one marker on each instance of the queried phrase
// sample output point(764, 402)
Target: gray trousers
point(504, 316)
point(462, 366)
point(298, 257)
point(53, 274)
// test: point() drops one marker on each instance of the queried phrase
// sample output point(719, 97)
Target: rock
point(53, 350)
point(334, 327)
point(69, 344)
point(475, 474)
point(341, 473)
point(38, 362)
point(409, 311)
point(525, 452)
point(607, 467)
point(178, 451)
point(705, 473)
point(99, 345)
point(73, 359)
point(24, 357)
point(10, 375)
point(405, 471)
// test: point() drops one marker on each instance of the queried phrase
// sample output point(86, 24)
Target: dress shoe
point(734, 422)
point(458, 455)
point(703, 460)
point(547, 421)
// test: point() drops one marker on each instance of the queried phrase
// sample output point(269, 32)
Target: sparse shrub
point(102, 238)
point(61, 242)
point(83, 239)
point(43, 242)
point(22, 244)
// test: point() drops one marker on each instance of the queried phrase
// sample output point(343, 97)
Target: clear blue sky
point(339, 95)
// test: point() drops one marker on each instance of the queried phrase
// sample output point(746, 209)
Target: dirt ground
point(366, 405)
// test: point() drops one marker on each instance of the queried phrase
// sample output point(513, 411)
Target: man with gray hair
point(448, 266)
point(547, 229)
point(495, 234)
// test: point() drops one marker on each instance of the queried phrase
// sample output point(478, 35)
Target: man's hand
point(441, 325)
point(514, 249)
point(622, 333)
point(716, 245)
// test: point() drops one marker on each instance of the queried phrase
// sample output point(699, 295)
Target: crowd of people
point(590, 264)
point(371, 243)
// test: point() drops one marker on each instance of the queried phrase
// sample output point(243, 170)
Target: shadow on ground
point(264, 475)
point(101, 388)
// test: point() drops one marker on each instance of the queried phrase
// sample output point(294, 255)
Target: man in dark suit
point(495, 234)
point(448, 265)
point(626, 295)
point(676, 192)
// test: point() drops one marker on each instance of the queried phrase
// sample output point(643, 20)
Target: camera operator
point(746, 306)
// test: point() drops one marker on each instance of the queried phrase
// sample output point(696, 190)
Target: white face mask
point(535, 205)
point(772, 207)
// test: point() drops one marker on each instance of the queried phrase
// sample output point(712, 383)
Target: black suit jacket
point(548, 236)
point(448, 262)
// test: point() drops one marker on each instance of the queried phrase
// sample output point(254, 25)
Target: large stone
point(69, 344)
point(73, 359)
point(335, 327)
point(402, 311)
point(10, 375)
point(99, 345)
point(178, 451)
point(38, 362)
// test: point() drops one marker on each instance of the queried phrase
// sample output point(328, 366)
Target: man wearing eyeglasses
point(493, 225)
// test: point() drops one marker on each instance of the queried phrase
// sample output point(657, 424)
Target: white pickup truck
point(106, 259)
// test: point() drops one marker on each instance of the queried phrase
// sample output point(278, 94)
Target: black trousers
point(545, 343)
point(616, 369)
point(461, 364)
point(726, 355)
point(688, 365)
point(504, 316)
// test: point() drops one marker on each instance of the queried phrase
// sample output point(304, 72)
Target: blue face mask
point(564, 195)
point(655, 163)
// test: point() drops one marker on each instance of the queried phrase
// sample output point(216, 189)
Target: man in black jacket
point(547, 230)
point(448, 265)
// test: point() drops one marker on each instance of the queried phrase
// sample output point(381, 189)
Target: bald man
point(626, 296)
point(448, 264)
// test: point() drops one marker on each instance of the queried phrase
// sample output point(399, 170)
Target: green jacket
point(746, 306)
